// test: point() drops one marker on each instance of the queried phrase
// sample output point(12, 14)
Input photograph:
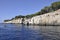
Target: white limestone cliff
point(52, 18)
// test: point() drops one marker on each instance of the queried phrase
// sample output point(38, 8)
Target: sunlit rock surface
point(52, 18)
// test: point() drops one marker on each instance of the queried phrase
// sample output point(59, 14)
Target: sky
point(12, 8)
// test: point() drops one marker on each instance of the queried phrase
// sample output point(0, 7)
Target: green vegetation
point(6, 20)
point(54, 6)
point(20, 16)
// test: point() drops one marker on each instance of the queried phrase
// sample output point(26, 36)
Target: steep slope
point(52, 18)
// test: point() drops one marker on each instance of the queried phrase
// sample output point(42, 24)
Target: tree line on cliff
point(53, 7)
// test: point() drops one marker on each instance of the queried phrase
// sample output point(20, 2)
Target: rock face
point(15, 21)
point(52, 18)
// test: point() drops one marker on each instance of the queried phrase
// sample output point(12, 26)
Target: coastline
point(52, 18)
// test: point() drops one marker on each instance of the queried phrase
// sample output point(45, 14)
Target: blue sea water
point(31, 32)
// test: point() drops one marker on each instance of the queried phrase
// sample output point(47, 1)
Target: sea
point(28, 32)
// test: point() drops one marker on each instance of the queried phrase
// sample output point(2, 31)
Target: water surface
point(23, 32)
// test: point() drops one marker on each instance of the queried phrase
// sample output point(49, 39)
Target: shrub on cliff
point(20, 16)
point(55, 5)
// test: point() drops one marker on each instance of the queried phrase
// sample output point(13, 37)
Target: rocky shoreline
point(52, 18)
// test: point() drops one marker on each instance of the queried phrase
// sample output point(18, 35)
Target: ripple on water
point(22, 32)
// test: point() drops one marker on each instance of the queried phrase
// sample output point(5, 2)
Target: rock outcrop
point(52, 18)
